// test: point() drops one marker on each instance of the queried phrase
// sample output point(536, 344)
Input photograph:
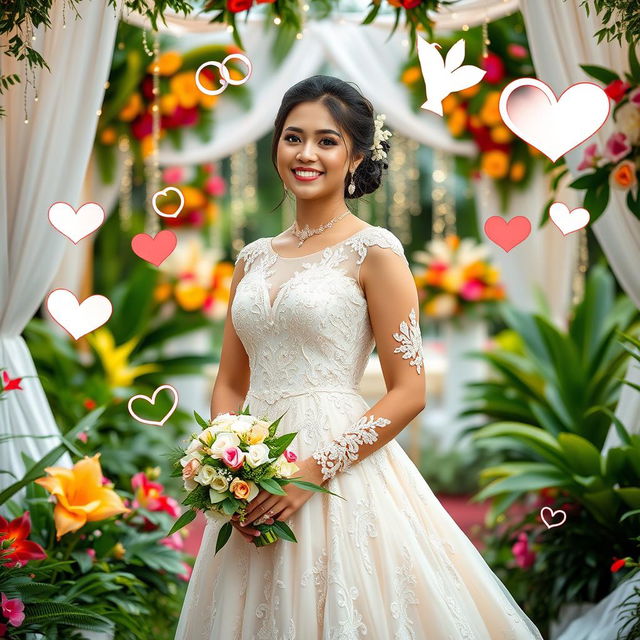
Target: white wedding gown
point(387, 563)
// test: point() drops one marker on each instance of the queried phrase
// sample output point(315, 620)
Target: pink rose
point(617, 147)
point(290, 456)
point(174, 541)
point(215, 186)
point(517, 51)
point(13, 610)
point(634, 97)
point(590, 158)
point(91, 553)
point(523, 555)
point(173, 175)
point(233, 457)
point(472, 290)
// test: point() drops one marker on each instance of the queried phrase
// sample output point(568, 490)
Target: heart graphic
point(75, 318)
point(154, 249)
point(553, 515)
point(152, 400)
point(553, 125)
point(568, 221)
point(507, 234)
point(73, 224)
point(176, 213)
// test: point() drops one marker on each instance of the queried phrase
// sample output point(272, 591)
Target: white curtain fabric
point(561, 38)
point(546, 261)
point(42, 162)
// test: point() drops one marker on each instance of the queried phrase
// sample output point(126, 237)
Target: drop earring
point(352, 187)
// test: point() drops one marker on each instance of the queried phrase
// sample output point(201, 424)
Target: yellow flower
point(190, 296)
point(183, 85)
point(449, 104)
point(490, 113)
point(114, 359)
point(118, 551)
point(162, 292)
point(257, 434)
point(494, 163)
point(492, 275)
point(517, 171)
point(168, 104)
point(168, 62)
point(501, 134)
point(108, 136)
point(411, 75)
point(207, 101)
point(80, 495)
point(457, 120)
point(452, 280)
point(132, 108)
point(475, 270)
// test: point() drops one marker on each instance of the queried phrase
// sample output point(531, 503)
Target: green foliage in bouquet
point(266, 476)
point(621, 19)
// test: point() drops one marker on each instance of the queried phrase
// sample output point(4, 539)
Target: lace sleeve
point(392, 300)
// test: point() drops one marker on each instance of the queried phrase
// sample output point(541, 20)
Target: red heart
point(507, 234)
point(154, 250)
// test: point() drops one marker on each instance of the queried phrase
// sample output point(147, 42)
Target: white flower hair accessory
point(379, 135)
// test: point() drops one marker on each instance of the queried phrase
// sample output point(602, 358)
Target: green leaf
point(283, 531)
point(634, 203)
point(605, 76)
point(596, 200)
point(634, 65)
point(581, 455)
point(309, 486)
point(272, 486)
point(200, 420)
point(223, 536)
point(546, 476)
point(631, 495)
point(187, 517)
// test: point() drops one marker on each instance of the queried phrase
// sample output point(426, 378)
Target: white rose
point(194, 446)
point(258, 454)
point(219, 483)
point(197, 455)
point(242, 424)
point(284, 468)
point(628, 122)
point(206, 474)
point(223, 421)
point(223, 441)
point(190, 484)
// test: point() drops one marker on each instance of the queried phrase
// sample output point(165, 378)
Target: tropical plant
point(620, 18)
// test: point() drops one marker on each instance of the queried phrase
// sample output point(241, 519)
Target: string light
point(277, 21)
point(125, 183)
point(485, 37)
point(153, 165)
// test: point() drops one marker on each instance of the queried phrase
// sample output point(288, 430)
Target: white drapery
point(561, 38)
point(43, 162)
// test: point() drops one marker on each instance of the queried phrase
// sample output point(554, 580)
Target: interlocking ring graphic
point(225, 79)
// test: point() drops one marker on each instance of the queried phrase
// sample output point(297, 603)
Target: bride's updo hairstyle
point(353, 114)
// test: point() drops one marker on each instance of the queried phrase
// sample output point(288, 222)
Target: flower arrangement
point(225, 464)
point(128, 101)
point(473, 113)
point(455, 277)
point(617, 164)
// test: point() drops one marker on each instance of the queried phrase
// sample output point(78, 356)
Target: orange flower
point(162, 292)
point(190, 296)
point(494, 163)
point(80, 495)
point(433, 277)
point(453, 241)
point(146, 145)
point(183, 86)
point(193, 198)
point(517, 171)
point(411, 75)
point(492, 275)
point(475, 122)
point(490, 113)
point(533, 151)
point(212, 212)
point(168, 104)
point(474, 271)
point(108, 136)
point(469, 92)
point(449, 104)
point(132, 109)
point(457, 120)
point(624, 175)
point(207, 101)
point(501, 134)
point(168, 62)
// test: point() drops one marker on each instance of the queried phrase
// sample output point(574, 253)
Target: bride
point(306, 309)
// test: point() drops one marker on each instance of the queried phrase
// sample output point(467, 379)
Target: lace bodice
point(303, 321)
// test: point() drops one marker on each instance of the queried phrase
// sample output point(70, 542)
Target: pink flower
point(617, 147)
point(494, 67)
point(215, 186)
point(105, 480)
point(523, 555)
point(233, 457)
point(187, 572)
point(174, 541)
point(13, 610)
point(472, 290)
point(83, 436)
point(149, 495)
point(208, 167)
point(634, 97)
point(91, 553)
point(290, 456)
point(190, 469)
point(3, 629)
point(590, 158)
point(517, 51)
point(173, 175)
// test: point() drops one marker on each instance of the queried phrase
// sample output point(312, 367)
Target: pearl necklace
point(305, 233)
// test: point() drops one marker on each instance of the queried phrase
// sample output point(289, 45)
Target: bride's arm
point(392, 299)
point(232, 381)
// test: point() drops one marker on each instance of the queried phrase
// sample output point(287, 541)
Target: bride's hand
point(248, 532)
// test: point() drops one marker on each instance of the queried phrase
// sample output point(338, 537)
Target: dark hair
point(353, 114)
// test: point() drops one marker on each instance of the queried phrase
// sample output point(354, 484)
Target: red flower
point(147, 88)
point(494, 67)
point(618, 564)
point(20, 550)
point(149, 495)
point(523, 555)
point(405, 4)
point(142, 126)
point(10, 384)
point(616, 90)
point(482, 137)
point(89, 404)
point(236, 6)
point(181, 117)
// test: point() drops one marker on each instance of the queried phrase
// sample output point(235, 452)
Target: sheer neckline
point(307, 255)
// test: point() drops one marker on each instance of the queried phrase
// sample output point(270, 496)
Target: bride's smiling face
point(311, 141)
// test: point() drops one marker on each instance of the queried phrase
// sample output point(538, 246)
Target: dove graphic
point(442, 77)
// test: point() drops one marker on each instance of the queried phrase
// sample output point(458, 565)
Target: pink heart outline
point(553, 515)
point(599, 117)
point(152, 400)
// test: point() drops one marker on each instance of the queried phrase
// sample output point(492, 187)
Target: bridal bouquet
point(226, 464)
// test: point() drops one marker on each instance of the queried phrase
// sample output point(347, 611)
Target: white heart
point(73, 224)
point(152, 400)
point(568, 221)
point(78, 319)
point(553, 515)
point(553, 125)
point(164, 193)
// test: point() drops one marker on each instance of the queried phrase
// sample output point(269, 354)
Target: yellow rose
point(168, 104)
point(190, 296)
point(183, 85)
point(258, 433)
point(162, 292)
